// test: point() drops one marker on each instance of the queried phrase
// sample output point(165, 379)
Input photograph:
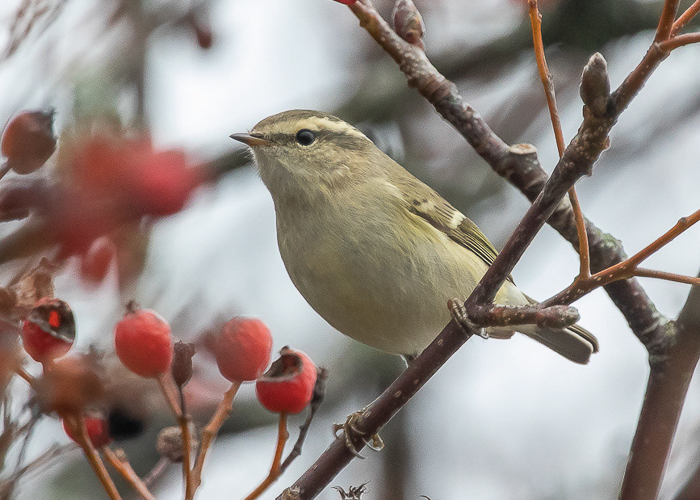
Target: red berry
point(97, 431)
point(48, 331)
point(243, 349)
point(143, 342)
point(288, 386)
point(347, 2)
point(163, 182)
point(95, 263)
point(28, 141)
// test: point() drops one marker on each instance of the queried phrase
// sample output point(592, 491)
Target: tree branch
point(519, 165)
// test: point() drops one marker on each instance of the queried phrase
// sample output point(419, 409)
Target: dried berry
point(70, 384)
point(288, 386)
point(243, 349)
point(143, 342)
point(169, 443)
point(182, 362)
point(97, 431)
point(48, 331)
point(28, 141)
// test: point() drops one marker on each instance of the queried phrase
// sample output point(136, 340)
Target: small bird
point(376, 252)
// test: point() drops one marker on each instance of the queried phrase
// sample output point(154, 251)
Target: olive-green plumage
point(375, 251)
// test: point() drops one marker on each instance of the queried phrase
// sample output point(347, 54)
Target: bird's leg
point(349, 430)
point(459, 313)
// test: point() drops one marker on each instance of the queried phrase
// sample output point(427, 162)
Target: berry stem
point(169, 396)
point(275, 470)
point(122, 465)
point(210, 431)
point(77, 424)
point(187, 455)
point(4, 168)
point(25, 375)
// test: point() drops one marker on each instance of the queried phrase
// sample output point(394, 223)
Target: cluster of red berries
point(107, 181)
point(144, 344)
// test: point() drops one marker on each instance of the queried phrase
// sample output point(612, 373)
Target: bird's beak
point(251, 139)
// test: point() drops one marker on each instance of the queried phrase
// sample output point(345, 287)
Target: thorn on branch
point(595, 85)
point(408, 23)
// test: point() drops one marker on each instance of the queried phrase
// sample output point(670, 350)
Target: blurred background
point(502, 420)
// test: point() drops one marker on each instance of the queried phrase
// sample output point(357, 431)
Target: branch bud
point(408, 23)
point(595, 85)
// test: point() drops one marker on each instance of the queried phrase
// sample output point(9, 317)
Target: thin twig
point(211, 430)
point(156, 471)
point(668, 16)
point(548, 85)
point(275, 470)
point(685, 18)
point(25, 375)
point(319, 394)
point(169, 396)
point(4, 168)
point(119, 462)
point(627, 268)
point(641, 272)
point(679, 41)
point(80, 431)
point(184, 421)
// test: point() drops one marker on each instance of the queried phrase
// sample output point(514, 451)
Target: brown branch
point(275, 470)
point(640, 272)
point(555, 316)
point(663, 402)
point(679, 41)
point(378, 413)
point(519, 164)
point(119, 462)
point(210, 431)
point(685, 18)
point(668, 16)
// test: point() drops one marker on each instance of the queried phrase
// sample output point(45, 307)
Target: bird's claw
point(459, 314)
point(349, 429)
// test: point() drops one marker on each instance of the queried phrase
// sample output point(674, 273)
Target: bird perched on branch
point(376, 252)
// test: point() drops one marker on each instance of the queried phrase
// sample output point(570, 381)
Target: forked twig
point(275, 469)
point(119, 462)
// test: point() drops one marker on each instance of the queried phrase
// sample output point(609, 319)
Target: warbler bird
point(375, 251)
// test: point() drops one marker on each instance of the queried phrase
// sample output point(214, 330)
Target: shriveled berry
point(97, 431)
point(288, 386)
point(243, 349)
point(143, 342)
point(48, 332)
point(70, 384)
point(28, 141)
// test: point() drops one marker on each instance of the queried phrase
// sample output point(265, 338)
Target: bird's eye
point(306, 137)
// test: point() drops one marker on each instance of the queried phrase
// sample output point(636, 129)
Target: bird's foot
point(459, 314)
point(349, 429)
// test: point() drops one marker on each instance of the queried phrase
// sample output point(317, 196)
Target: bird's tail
point(574, 343)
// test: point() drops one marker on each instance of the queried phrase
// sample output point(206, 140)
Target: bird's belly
point(387, 294)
